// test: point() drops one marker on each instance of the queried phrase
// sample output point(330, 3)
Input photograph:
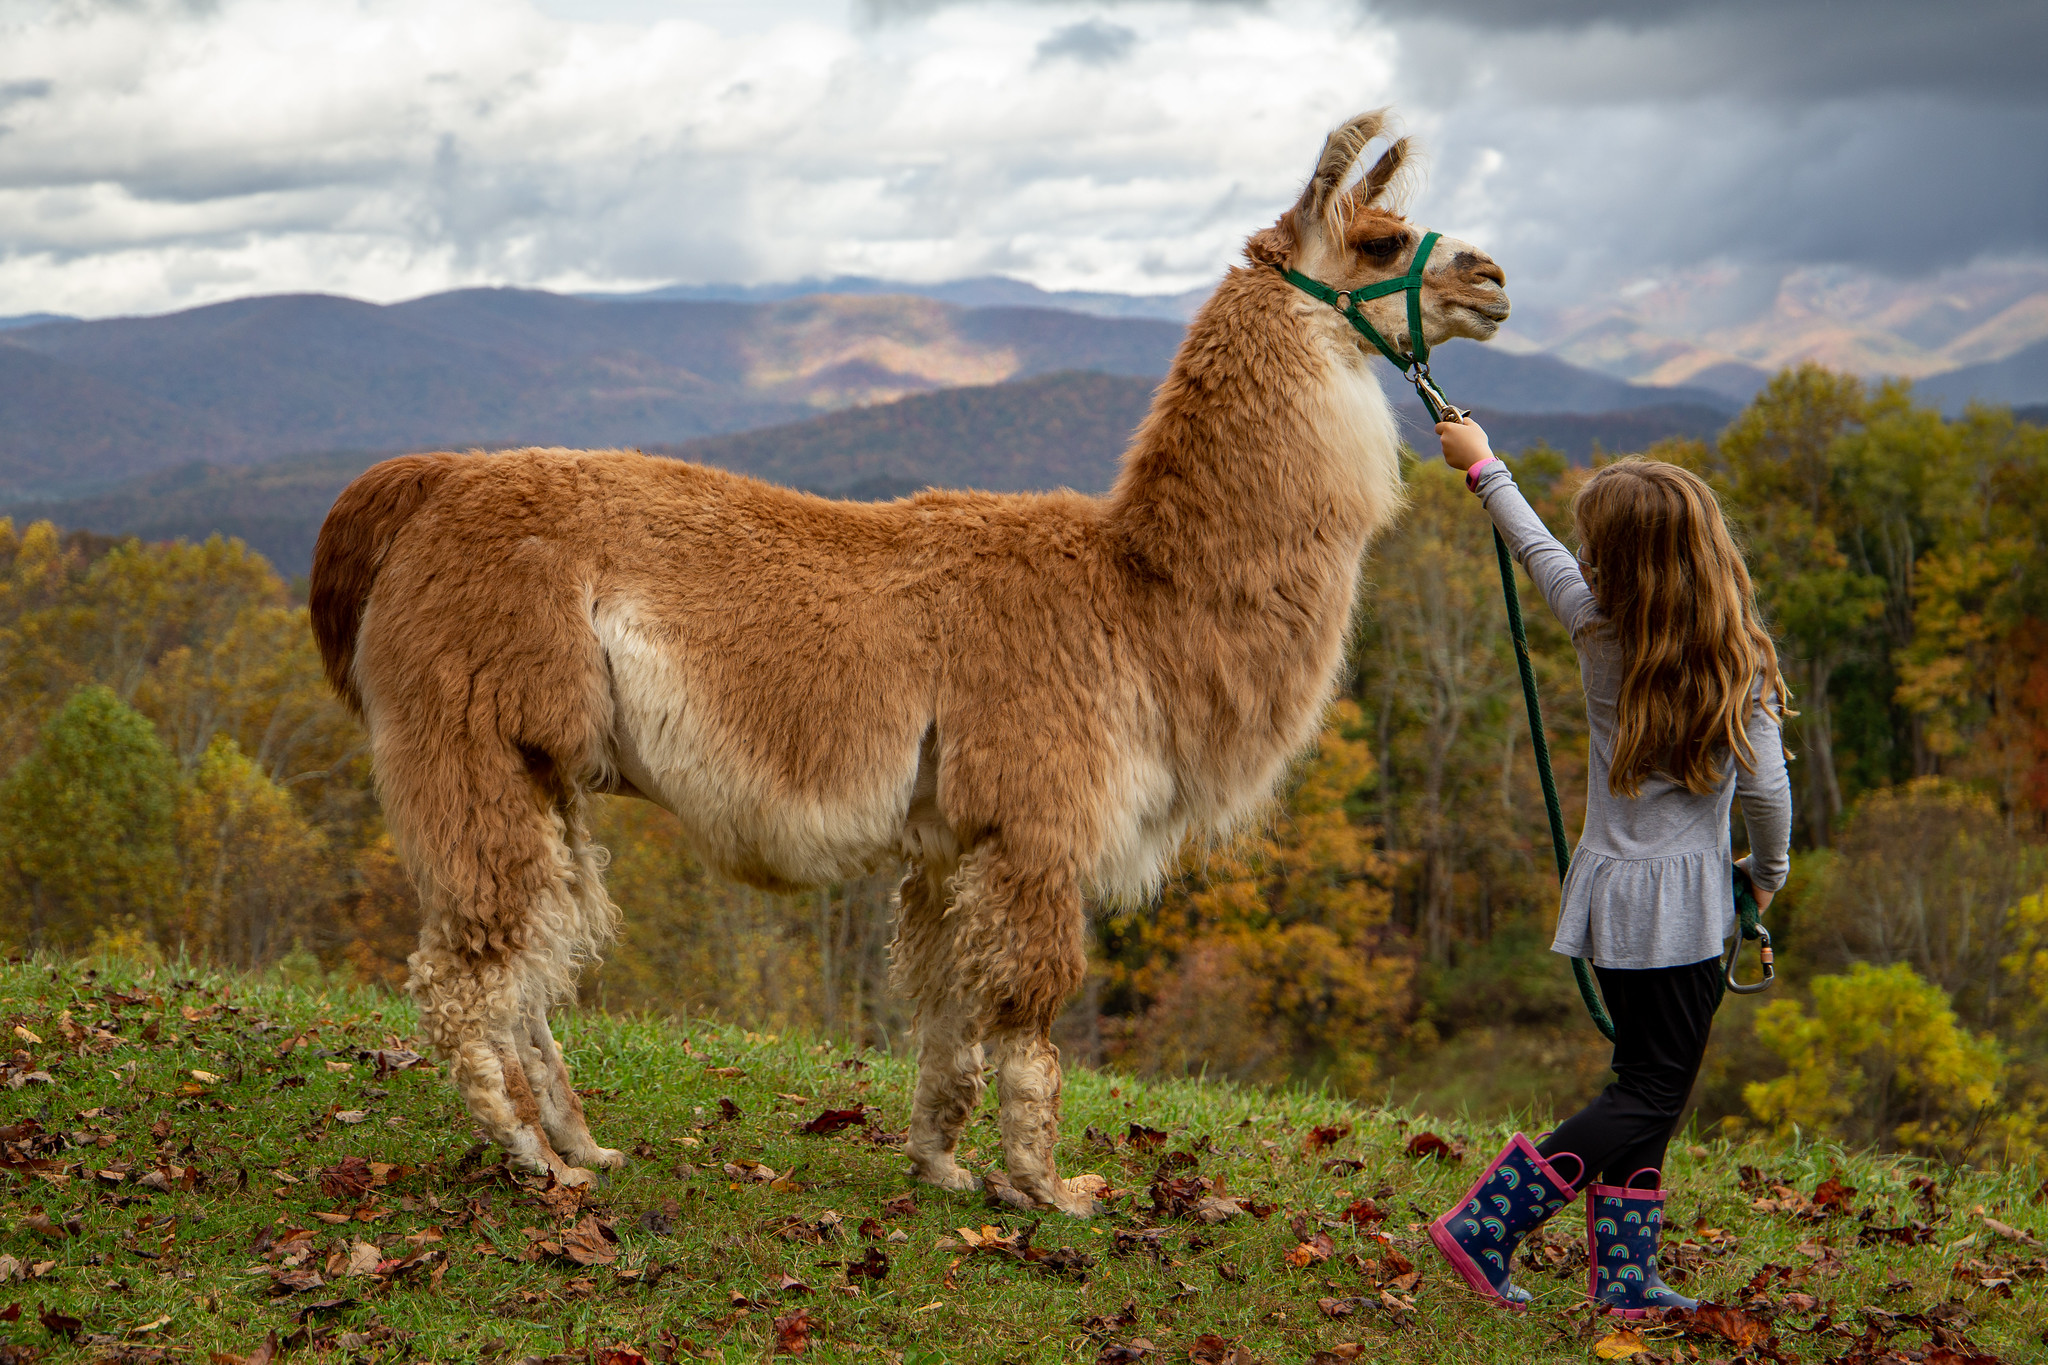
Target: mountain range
point(86, 403)
point(1975, 331)
point(248, 417)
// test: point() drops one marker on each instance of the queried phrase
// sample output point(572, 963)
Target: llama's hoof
point(1075, 1197)
point(947, 1174)
point(603, 1158)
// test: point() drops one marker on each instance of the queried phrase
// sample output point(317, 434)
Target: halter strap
point(1347, 301)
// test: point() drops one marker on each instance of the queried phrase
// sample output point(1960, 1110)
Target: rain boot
point(1511, 1198)
point(1622, 1226)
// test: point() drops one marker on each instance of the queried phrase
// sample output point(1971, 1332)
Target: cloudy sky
point(160, 153)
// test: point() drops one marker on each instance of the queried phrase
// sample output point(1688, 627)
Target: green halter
point(1414, 366)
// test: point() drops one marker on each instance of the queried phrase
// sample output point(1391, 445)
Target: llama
point(1031, 699)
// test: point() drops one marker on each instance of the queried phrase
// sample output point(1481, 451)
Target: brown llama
point(1031, 699)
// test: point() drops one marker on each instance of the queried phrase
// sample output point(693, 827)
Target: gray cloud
point(1092, 42)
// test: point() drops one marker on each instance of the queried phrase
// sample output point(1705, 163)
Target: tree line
point(179, 781)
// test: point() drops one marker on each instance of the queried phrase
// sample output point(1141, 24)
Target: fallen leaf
point(1619, 1345)
point(1363, 1214)
point(363, 1259)
point(2010, 1233)
point(1312, 1251)
point(351, 1116)
point(1430, 1145)
point(1137, 1348)
point(619, 1355)
point(793, 1333)
point(835, 1120)
point(1731, 1325)
point(590, 1242)
point(874, 1266)
point(1143, 1138)
point(1833, 1196)
point(59, 1324)
point(1321, 1138)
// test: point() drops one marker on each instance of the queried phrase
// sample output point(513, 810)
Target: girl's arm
point(1554, 568)
point(1766, 796)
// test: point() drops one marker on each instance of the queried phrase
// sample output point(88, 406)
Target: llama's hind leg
point(474, 1015)
point(592, 919)
point(949, 1089)
point(949, 1056)
point(561, 1111)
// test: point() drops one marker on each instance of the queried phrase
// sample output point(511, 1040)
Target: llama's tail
point(353, 540)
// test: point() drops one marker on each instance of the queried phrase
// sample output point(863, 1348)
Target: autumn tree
point(88, 823)
point(1881, 1058)
point(252, 871)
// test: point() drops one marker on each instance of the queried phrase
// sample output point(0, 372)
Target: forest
point(179, 784)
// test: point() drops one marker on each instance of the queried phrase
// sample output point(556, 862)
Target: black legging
point(1662, 1017)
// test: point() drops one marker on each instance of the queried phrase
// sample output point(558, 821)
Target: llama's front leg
point(561, 1111)
point(949, 1086)
point(470, 1012)
point(1028, 1089)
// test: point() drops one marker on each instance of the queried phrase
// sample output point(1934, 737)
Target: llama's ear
point(1272, 246)
point(1321, 201)
point(1383, 173)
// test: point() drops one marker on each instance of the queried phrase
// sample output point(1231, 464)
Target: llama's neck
point(1269, 460)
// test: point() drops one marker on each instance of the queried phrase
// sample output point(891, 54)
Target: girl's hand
point(1763, 897)
point(1464, 443)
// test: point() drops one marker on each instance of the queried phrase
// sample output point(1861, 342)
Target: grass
point(238, 1094)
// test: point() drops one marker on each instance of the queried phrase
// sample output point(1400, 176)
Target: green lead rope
point(1582, 971)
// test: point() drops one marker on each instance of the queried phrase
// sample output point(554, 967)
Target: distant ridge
point(983, 291)
point(1058, 430)
point(83, 404)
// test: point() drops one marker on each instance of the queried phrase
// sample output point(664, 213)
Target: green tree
point(87, 823)
point(1783, 481)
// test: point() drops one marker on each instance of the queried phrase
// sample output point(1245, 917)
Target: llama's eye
point(1382, 247)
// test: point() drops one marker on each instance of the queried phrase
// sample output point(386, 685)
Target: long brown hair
point(1672, 584)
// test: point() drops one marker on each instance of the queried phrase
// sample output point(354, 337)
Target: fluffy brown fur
point(1032, 699)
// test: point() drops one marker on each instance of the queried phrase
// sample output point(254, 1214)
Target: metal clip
point(1441, 409)
point(1763, 953)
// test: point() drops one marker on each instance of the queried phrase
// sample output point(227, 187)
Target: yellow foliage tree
point(252, 869)
point(1880, 1058)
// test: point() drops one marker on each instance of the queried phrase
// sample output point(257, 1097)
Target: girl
point(1683, 706)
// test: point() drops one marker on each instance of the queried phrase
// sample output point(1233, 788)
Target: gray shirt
point(1651, 883)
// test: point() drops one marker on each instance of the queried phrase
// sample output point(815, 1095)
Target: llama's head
point(1351, 234)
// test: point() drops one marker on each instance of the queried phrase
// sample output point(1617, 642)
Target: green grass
point(701, 1258)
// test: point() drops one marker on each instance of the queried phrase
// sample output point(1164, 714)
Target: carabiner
point(1763, 953)
point(1441, 409)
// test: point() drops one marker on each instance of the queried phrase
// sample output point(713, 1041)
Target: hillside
point(208, 1164)
point(1060, 430)
point(84, 403)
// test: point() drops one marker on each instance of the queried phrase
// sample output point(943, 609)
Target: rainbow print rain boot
point(1622, 1227)
point(1511, 1198)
